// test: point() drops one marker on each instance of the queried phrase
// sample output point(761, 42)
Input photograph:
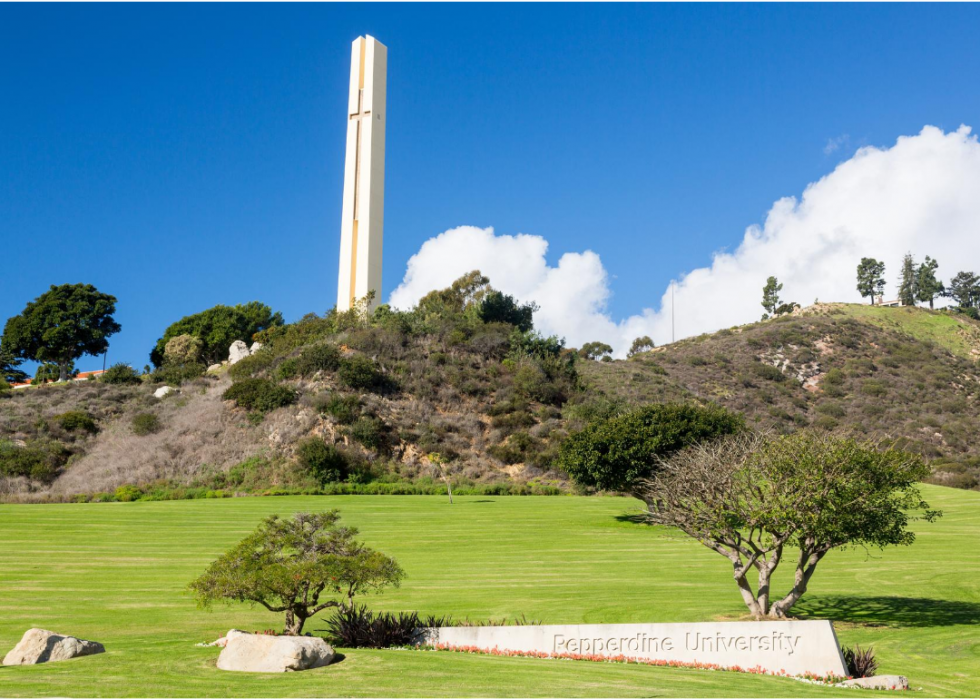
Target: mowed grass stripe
point(118, 573)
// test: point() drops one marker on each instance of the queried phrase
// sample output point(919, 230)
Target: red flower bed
point(630, 660)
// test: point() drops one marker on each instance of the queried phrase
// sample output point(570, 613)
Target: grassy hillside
point(117, 573)
point(904, 374)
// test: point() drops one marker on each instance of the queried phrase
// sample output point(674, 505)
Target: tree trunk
point(804, 571)
point(930, 304)
point(294, 623)
point(747, 596)
point(62, 371)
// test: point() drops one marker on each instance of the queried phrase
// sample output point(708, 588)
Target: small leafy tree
point(928, 286)
point(620, 452)
point(299, 566)
point(640, 345)
point(61, 325)
point(595, 350)
point(964, 288)
point(871, 278)
point(770, 296)
point(183, 349)
point(908, 283)
point(755, 499)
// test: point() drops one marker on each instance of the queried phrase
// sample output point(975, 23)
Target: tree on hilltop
point(908, 282)
point(640, 345)
point(595, 350)
point(8, 366)
point(754, 500)
point(770, 297)
point(217, 328)
point(964, 288)
point(299, 566)
point(928, 286)
point(871, 278)
point(61, 325)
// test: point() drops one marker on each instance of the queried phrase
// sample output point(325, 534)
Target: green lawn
point(117, 573)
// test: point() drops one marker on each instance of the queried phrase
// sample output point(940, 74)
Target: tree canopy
point(964, 288)
point(908, 283)
point(754, 499)
point(619, 452)
point(928, 286)
point(300, 566)
point(595, 350)
point(770, 296)
point(640, 345)
point(8, 366)
point(217, 328)
point(61, 325)
point(871, 278)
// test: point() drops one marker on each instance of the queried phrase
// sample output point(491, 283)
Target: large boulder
point(163, 391)
point(256, 346)
point(247, 652)
point(40, 646)
point(879, 682)
point(237, 352)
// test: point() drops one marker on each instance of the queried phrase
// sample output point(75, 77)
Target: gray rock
point(879, 682)
point(246, 652)
point(40, 646)
point(214, 367)
point(237, 352)
point(163, 391)
point(256, 346)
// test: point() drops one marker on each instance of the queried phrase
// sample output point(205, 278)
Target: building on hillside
point(81, 376)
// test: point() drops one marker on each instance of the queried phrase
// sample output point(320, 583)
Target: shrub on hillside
point(4, 386)
point(120, 374)
point(183, 349)
point(371, 432)
point(323, 357)
point(619, 452)
point(176, 374)
point(344, 409)
point(359, 372)
point(145, 423)
point(325, 462)
point(262, 395)
point(37, 460)
point(76, 421)
point(768, 372)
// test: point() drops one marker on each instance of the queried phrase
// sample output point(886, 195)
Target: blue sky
point(180, 156)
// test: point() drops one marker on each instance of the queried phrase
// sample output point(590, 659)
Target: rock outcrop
point(246, 652)
point(237, 352)
point(40, 646)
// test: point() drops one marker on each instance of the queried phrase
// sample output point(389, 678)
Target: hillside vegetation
point(464, 393)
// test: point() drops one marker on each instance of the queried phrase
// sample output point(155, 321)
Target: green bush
point(768, 372)
point(75, 420)
point(359, 372)
point(120, 374)
point(369, 431)
point(825, 422)
point(262, 395)
point(287, 369)
point(832, 409)
point(176, 374)
point(318, 358)
point(127, 493)
point(325, 462)
point(145, 423)
point(39, 461)
point(874, 388)
point(344, 409)
point(834, 377)
point(618, 452)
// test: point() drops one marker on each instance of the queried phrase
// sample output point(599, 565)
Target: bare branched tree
point(753, 498)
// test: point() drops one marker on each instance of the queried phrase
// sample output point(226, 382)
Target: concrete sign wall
point(793, 647)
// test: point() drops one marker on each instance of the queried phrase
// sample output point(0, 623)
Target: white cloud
point(922, 195)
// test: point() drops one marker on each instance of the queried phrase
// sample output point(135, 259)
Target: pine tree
point(908, 283)
point(871, 278)
point(770, 296)
point(929, 287)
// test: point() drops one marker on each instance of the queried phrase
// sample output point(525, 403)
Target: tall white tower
point(364, 175)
